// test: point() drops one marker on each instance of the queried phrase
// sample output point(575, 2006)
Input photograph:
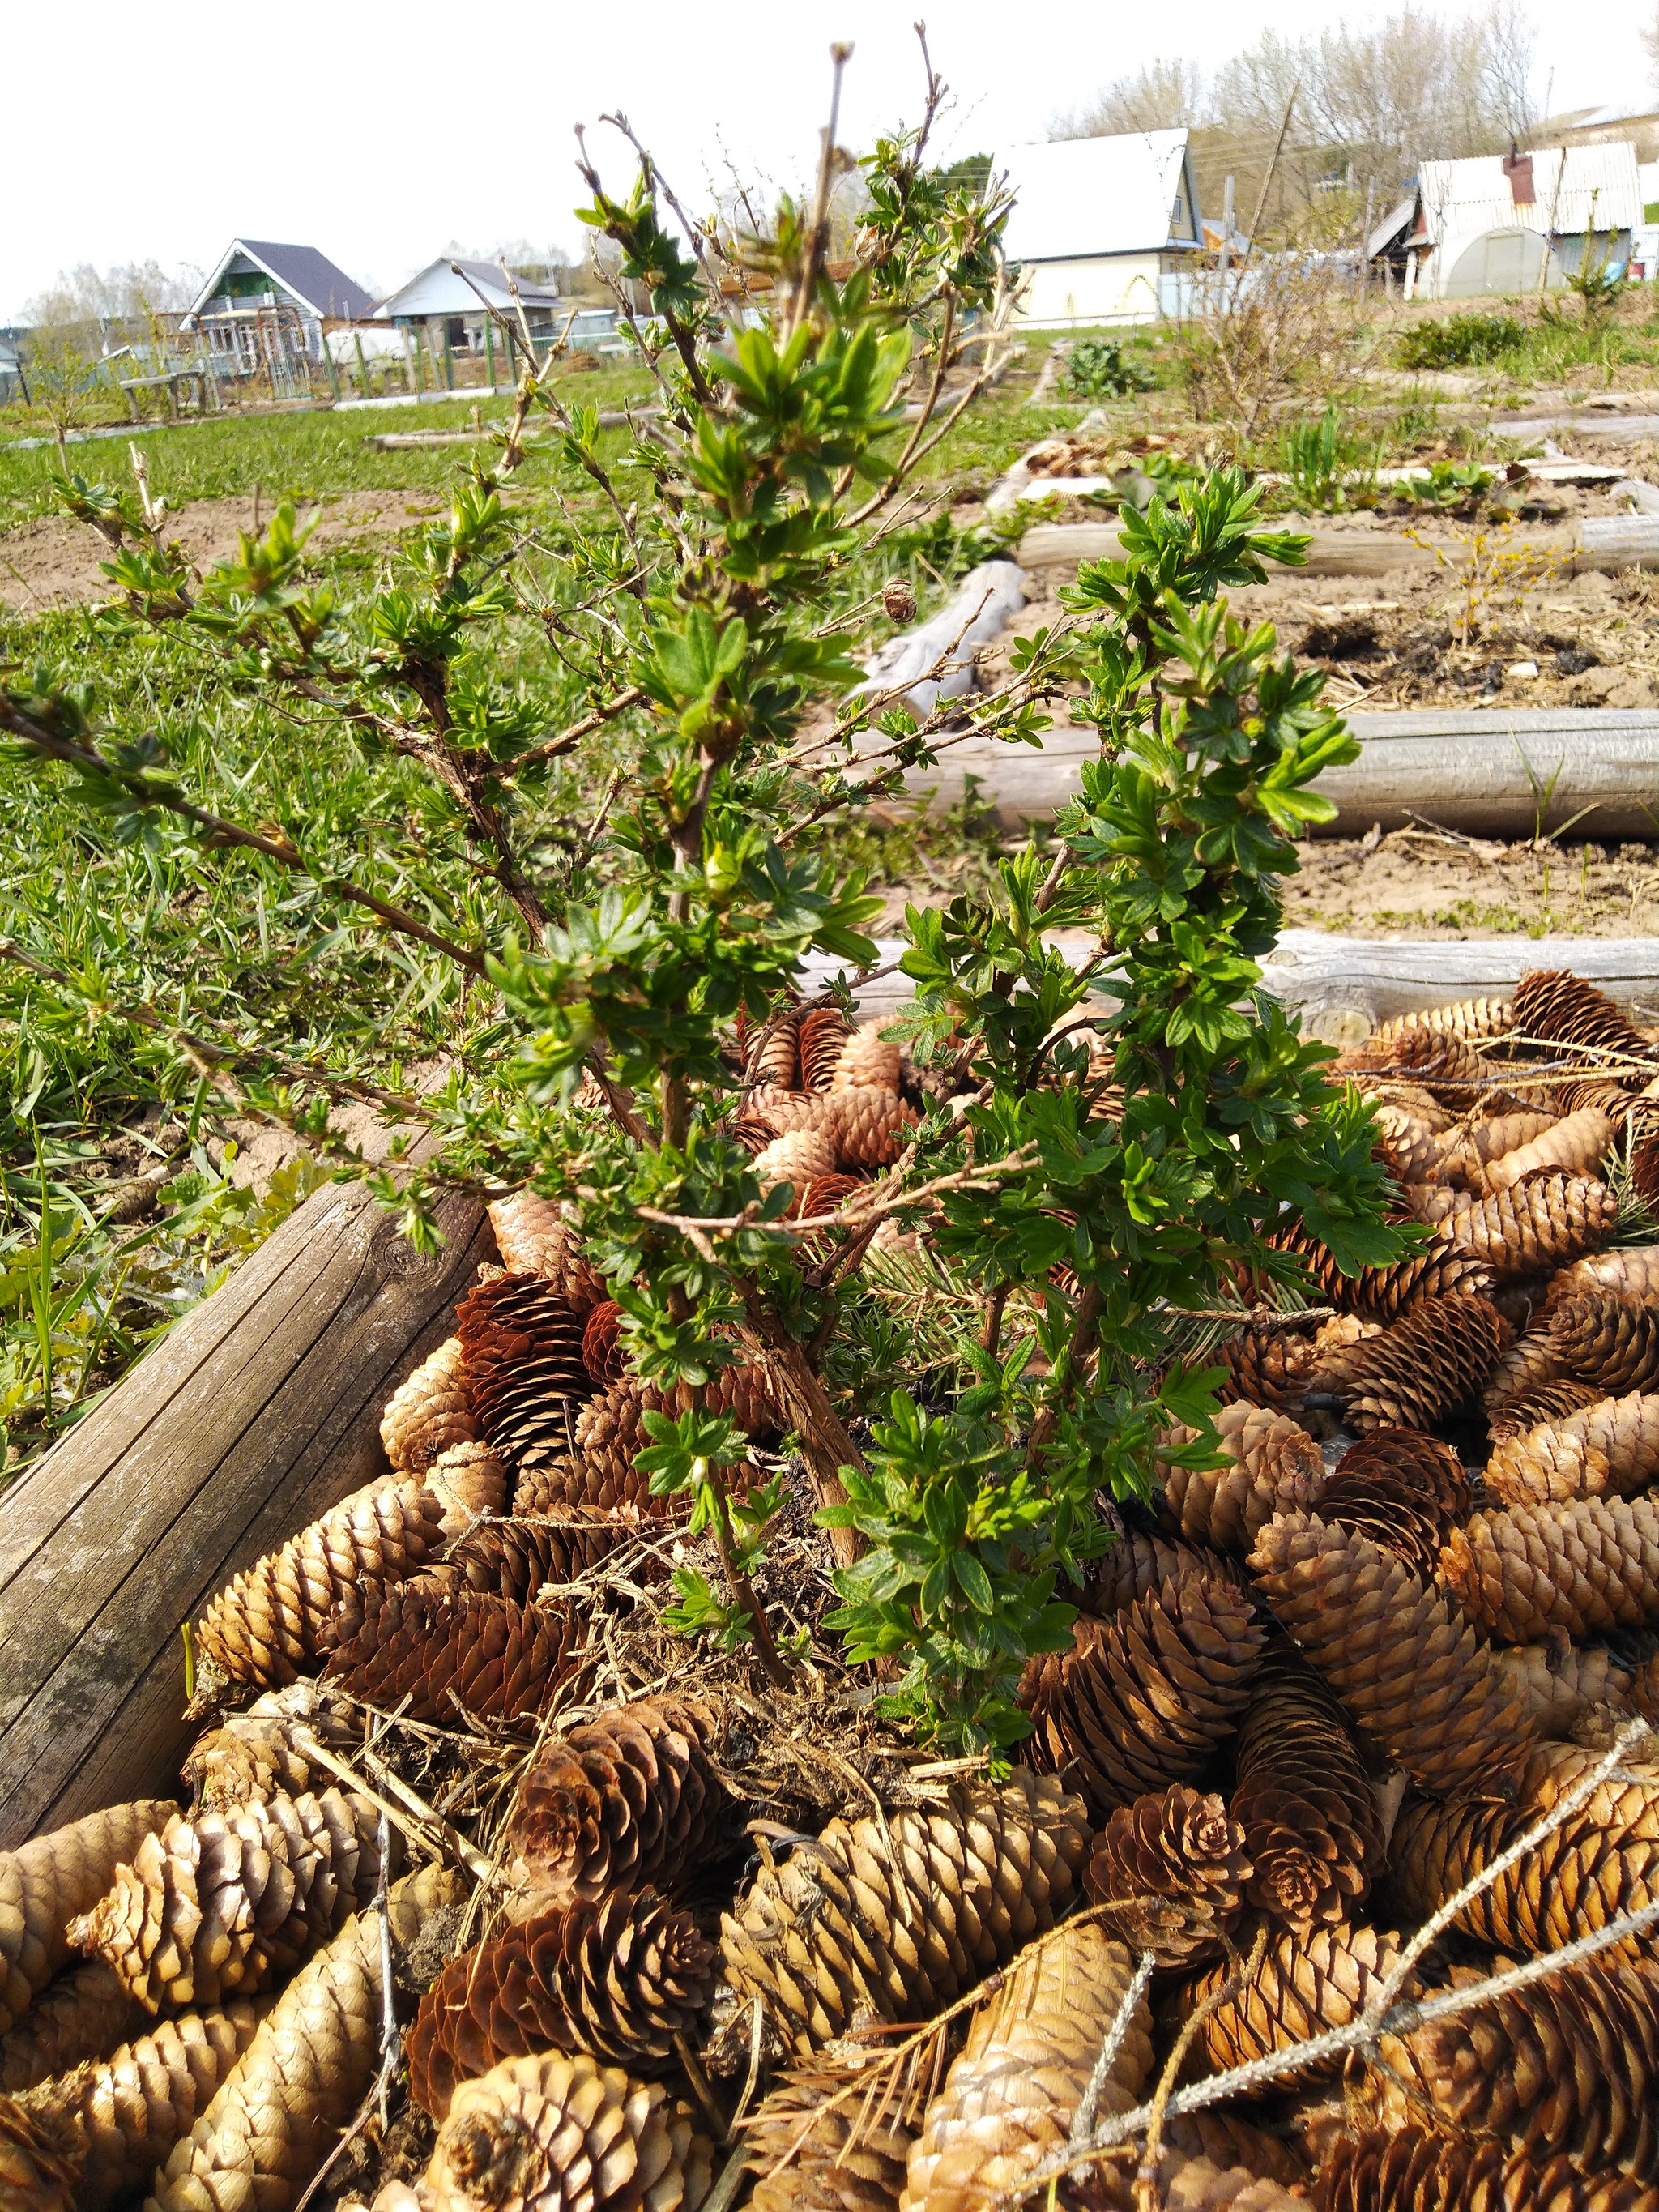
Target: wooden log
point(1618, 541)
point(1333, 553)
point(260, 1411)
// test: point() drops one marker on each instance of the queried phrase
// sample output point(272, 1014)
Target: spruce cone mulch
point(1545, 1222)
point(1423, 1368)
point(1144, 1699)
point(843, 2156)
point(1575, 1146)
point(1398, 1654)
point(1608, 1341)
point(429, 1412)
point(1411, 2170)
point(1171, 1870)
point(433, 1654)
point(629, 1798)
point(891, 1920)
point(525, 1372)
point(1557, 1008)
point(1475, 1020)
point(533, 1239)
point(619, 1979)
point(75, 2017)
point(517, 1559)
point(1584, 1567)
point(1307, 1981)
point(229, 1902)
point(269, 1622)
point(553, 2134)
point(47, 1882)
point(1610, 1447)
point(1272, 1467)
point(1302, 1799)
point(1405, 1491)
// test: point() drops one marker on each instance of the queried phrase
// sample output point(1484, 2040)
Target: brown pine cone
point(1307, 1982)
point(893, 1919)
point(1630, 1274)
point(1138, 1563)
point(40, 2159)
point(525, 1371)
point(618, 1979)
point(1575, 1146)
point(1539, 1225)
point(824, 1032)
point(1385, 1293)
point(1644, 1171)
point(848, 2159)
point(1143, 1699)
point(1268, 1362)
point(433, 1656)
point(629, 1797)
point(1603, 1860)
point(1608, 1340)
point(866, 1060)
point(870, 1127)
point(1530, 1363)
point(229, 1902)
point(517, 1559)
point(46, 1882)
point(533, 1239)
point(1407, 1147)
point(265, 1626)
point(281, 2110)
point(1559, 1682)
point(1172, 1869)
point(1396, 1652)
point(429, 1413)
point(1432, 1203)
point(1469, 1148)
point(469, 1484)
point(799, 1158)
point(249, 1755)
point(772, 1053)
point(1609, 1448)
point(1616, 1101)
point(117, 2121)
point(82, 2014)
point(601, 1480)
point(1409, 2170)
point(1422, 1368)
point(1273, 1466)
point(1302, 1799)
point(1554, 1006)
point(1014, 2088)
point(552, 2134)
point(1474, 1020)
point(753, 1134)
point(1443, 1063)
point(1522, 1302)
point(604, 1353)
point(1405, 1491)
point(609, 1436)
point(1587, 1566)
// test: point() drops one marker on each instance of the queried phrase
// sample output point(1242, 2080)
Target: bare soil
point(56, 562)
point(1416, 883)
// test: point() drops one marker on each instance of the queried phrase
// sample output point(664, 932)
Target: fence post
point(490, 351)
point(333, 372)
point(362, 367)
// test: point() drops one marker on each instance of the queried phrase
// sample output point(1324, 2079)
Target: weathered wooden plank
point(257, 1413)
point(1333, 553)
point(1340, 983)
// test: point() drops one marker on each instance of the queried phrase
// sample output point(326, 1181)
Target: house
point(456, 296)
point(1511, 223)
point(1102, 229)
point(265, 307)
point(1601, 127)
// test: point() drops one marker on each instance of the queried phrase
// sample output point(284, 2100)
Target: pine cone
point(265, 1626)
point(1422, 1368)
point(1600, 1093)
point(604, 1353)
point(600, 1480)
point(780, 1111)
point(1609, 1448)
point(533, 1239)
point(1432, 1203)
point(610, 1435)
point(890, 1920)
point(424, 1652)
point(39, 2159)
point(229, 1902)
point(46, 1883)
point(1303, 1798)
point(1474, 1020)
point(1407, 1147)
point(1548, 1405)
point(1268, 1362)
point(849, 2159)
point(1575, 1146)
point(1443, 1063)
point(618, 1979)
point(1408, 2170)
point(1608, 1340)
point(626, 1798)
point(1172, 1868)
point(82, 2014)
point(1522, 1302)
point(870, 1127)
point(801, 1157)
point(772, 1053)
point(1469, 1148)
point(867, 1061)
point(279, 2111)
point(1385, 1293)
point(1587, 1566)
point(1405, 1491)
point(1143, 1699)
point(248, 1756)
point(1559, 1682)
point(1396, 1652)
point(1306, 1983)
point(1603, 1860)
point(1011, 2093)
point(1632, 1273)
point(1554, 1006)
point(524, 1366)
point(429, 1413)
point(1530, 1363)
point(517, 1559)
point(118, 2121)
point(1542, 1224)
point(469, 1484)
point(1137, 1563)
point(1644, 1171)
point(824, 1033)
point(551, 2133)
point(1273, 1466)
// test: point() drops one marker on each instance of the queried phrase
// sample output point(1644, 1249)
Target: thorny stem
point(742, 1589)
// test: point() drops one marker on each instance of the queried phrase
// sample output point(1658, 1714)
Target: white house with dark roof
point(259, 287)
point(458, 294)
point(1099, 226)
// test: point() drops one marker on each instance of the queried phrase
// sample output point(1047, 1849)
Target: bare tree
point(1165, 95)
point(86, 298)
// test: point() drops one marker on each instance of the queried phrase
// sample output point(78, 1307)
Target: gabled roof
point(437, 290)
point(1458, 199)
point(1076, 198)
point(307, 276)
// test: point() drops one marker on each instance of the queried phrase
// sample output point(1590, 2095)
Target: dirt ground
point(54, 561)
point(1414, 883)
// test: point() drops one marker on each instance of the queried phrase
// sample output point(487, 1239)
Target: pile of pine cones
point(1311, 1696)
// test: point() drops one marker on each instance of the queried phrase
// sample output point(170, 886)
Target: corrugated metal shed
point(1076, 198)
point(1459, 200)
point(438, 289)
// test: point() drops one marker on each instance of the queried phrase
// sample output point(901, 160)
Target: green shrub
point(1461, 342)
point(1099, 369)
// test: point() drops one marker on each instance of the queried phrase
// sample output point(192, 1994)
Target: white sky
point(380, 134)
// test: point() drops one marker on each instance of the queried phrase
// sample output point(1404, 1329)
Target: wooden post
point(409, 357)
point(489, 354)
point(362, 365)
point(449, 360)
point(260, 1411)
point(333, 372)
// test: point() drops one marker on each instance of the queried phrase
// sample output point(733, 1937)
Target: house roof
point(307, 276)
point(1076, 198)
point(438, 289)
point(1459, 200)
point(1393, 225)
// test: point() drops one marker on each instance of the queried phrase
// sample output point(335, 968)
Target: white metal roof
point(1079, 197)
point(438, 289)
point(1462, 198)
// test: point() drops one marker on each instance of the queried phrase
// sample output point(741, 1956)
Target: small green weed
point(1461, 342)
point(1102, 368)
